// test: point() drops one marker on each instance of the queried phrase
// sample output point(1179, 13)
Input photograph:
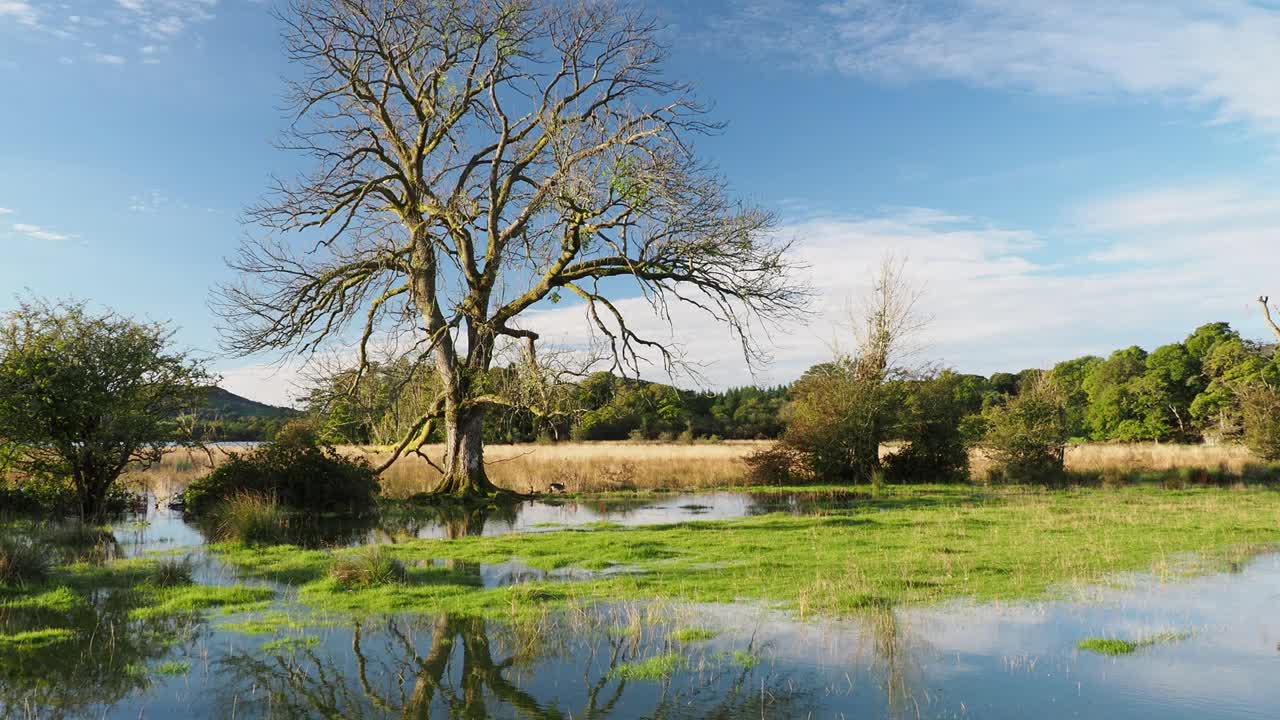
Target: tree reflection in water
point(476, 669)
point(99, 658)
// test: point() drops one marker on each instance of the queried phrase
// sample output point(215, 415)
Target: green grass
point(692, 635)
point(743, 659)
point(367, 567)
point(1116, 647)
point(198, 598)
point(60, 600)
point(906, 545)
point(35, 639)
point(172, 667)
point(252, 519)
point(171, 572)
point(268, 624)
point(654, 668)
point(290, 644)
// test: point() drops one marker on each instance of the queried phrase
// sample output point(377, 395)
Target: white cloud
point(20, 11)
point(115, 26)
point(1216, 55)
point(38, 233)
point(1005, 299)
point(5, 211)
point(108, 59)
point(274, 383)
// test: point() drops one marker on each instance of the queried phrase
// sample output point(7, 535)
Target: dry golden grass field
point(625, 466)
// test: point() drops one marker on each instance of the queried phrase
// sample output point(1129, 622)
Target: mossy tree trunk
point(464, 473)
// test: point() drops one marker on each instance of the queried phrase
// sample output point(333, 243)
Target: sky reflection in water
point(958, 660)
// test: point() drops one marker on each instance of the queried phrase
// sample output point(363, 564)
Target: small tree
point(1027, 435)
point(843, 410)
point(1260, 403)
point(82, 395)
point(932, 421)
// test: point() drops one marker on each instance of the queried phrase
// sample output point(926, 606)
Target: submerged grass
point(290, 644)
point(902, 545)
point(654, 668)
point(1116, 647)
point(692, 635)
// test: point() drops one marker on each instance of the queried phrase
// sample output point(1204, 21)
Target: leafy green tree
point(1027, 436)
point(1260, 402)
point(931, 421)
point(837, 422)
point(1069, 377)
point(1115, 410)
point(83, 395)
point(1172, 381)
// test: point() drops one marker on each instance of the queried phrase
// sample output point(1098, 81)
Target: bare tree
point(473, 159)
point(1265, 301)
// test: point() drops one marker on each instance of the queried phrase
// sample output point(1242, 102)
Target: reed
point(594, 467)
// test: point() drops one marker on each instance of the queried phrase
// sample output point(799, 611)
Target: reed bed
point(637, 466)
point(588, 467)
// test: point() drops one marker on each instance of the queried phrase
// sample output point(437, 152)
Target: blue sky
point(1062, 176)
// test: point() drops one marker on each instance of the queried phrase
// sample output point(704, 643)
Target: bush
point(296, 470)
point(250, 518)
point(47, 496)
point(1027, 435)
point(22, 563)
point(837, 422)
point(932, 421)
point(367, 567)
point(1260, 403)
point(777, 465)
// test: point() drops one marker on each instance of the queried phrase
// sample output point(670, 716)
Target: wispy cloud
point(20, 11)
point(118, 28)
point(1212, 55)
point(6, 211)
point(36, 232)
point(148, 202)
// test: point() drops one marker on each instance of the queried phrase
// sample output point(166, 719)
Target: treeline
point(602, 406)
point(1181, 392)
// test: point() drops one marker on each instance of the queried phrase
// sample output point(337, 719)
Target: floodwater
point(637, 661)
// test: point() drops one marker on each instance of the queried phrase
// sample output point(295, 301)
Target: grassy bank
point(907, 545)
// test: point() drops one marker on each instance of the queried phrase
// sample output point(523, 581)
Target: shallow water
point(957, 660)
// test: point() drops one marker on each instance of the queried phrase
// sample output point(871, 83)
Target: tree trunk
point(464, 474)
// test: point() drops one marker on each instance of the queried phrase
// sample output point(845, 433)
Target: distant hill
point(226, 405)
point(231, 417)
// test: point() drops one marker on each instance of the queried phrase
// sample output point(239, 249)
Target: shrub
point(367, 567)
point(1260, 403)
point(171, 573)
point(22, 563)
point(1027, 435)
point(84, 394)
point(47, 496)
point(932, 423)
point(837, 421)
point(778, 465)
point(250, 518)
point(296, 470)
